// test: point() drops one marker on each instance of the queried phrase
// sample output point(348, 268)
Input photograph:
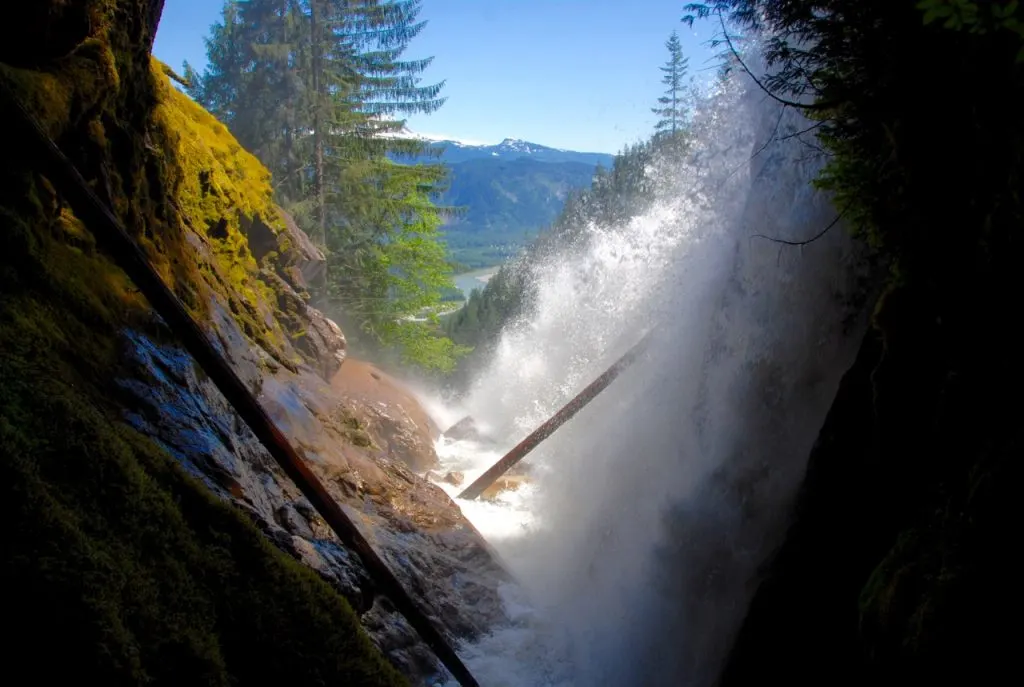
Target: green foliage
point(412, 269)
point(315, 88)
point(969, 16)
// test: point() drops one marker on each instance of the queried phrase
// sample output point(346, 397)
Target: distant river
point(476, 279)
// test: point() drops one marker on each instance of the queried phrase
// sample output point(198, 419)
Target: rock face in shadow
point(361, 432)
point(201, 209)
point(898, 563)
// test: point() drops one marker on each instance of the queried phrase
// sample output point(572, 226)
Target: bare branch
point(771, 139)
point(801, 133)
point(285, 177)
point(760, 84)
point(808, 241)
point(816, 148)
point(174, 76)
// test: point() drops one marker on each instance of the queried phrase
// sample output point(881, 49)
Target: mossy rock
point(122, 568)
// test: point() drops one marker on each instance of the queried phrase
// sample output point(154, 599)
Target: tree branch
point(771, 139)
point(760, 84)
point(174, 76)
point(801, 133)
point(808, 241)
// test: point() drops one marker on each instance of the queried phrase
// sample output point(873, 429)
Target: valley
point(508, 192)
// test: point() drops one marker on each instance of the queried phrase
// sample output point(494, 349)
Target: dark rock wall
point(76, 330)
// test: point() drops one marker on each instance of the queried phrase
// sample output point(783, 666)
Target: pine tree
point(672, 104)
point(386, 203)
point(316, 88)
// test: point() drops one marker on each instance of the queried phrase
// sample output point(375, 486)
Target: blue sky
point(576, 74)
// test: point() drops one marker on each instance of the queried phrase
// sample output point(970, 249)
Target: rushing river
point(637, 538)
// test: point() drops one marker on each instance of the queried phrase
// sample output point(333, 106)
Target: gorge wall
point(898, 567)
point(141, 504)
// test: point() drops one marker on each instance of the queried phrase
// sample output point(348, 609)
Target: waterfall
point(638, 542)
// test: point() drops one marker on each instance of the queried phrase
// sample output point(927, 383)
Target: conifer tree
point(317, 88)
point(671, 107)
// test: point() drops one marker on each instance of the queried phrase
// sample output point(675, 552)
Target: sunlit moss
point(126, 570)
point(217, 183)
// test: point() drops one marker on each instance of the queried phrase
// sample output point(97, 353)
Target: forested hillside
point(506, 193)
point(317, 89)
point(615, 195)
point(506, 203)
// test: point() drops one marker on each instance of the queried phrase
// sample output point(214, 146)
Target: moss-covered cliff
point(121, 569)
point(143, 514)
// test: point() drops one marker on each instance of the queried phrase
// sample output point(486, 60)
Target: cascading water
point(637, 542)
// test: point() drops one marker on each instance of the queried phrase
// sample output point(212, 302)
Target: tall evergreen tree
point(317, 89)
point(671, 107)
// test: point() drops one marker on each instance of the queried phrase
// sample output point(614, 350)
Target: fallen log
point(538, 435)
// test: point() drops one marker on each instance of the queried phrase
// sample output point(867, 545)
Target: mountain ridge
point(510, 191)
point(453, 151)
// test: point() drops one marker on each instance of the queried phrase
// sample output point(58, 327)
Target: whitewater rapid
point(636, 542)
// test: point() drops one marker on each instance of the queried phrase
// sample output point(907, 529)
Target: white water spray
point(638, 540)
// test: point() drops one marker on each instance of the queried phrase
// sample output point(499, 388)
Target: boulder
point(293, 254)
point(316, 337)
point(503, 484)
point(454, 478)
point(398, 423)
point(463, 430)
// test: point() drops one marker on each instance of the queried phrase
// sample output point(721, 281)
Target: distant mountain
point(513, 148)
point(510, 191)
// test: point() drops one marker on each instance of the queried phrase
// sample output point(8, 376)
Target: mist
point(638, 540)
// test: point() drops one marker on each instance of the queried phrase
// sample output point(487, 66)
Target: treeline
point(317, 89)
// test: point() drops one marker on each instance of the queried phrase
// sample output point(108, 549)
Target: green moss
point(216, 184)
point(354, 431)
point(124, 569)
point(129, 568)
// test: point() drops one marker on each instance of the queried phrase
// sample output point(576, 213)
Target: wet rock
point(415, 526)
point(464, 429)
point(389, 413)
point(503, 484)
point(325, 342)
point(454, 478)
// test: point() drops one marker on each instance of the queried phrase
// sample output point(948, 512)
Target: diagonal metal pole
point(538, 435)
point(112, 235)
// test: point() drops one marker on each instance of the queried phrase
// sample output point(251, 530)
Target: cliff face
point(113, 440)
point(899, 565)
